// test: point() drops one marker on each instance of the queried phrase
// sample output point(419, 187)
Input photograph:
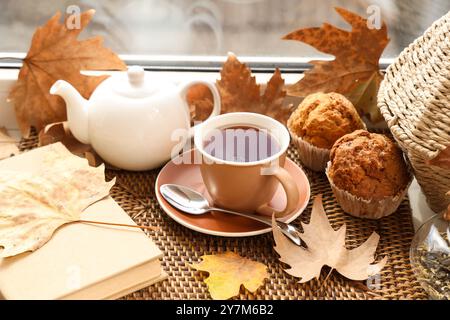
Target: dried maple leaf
point(33, 206)
point(8, 146)
point(55, 53)
point(355, 70)
point(325, 246)
point(240, 92)
point(446, 215)
point(442, 159)
point(200, 101)
point(60, 132)
point(228, 271)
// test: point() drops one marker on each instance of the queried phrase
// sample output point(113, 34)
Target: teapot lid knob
point(135, 75)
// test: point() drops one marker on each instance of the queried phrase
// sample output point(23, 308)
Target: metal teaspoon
point(193, 202)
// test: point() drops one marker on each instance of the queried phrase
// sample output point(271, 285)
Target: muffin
point(368, 174)
point(320, 120)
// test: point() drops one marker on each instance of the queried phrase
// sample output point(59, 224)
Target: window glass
point(212, 28)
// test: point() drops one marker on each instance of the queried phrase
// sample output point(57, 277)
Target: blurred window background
point(250, 28)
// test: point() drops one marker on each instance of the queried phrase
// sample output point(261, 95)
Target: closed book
point(81, 261)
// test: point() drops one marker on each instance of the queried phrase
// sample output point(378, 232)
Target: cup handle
point(216, 98)
point(292, 194)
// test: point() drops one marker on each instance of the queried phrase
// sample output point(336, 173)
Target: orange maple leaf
point(441, 159)
point(240, 92)
point(355, 70)
point(55, 53)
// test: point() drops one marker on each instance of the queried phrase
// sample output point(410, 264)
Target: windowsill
point(420, 209)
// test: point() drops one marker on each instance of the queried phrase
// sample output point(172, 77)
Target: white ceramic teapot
point(130, 119)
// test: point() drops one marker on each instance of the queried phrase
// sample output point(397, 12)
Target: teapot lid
point(133, 83)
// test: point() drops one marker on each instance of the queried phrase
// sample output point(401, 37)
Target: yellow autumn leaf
point(228, 271)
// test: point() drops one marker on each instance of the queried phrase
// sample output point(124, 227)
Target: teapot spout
point(77, 109)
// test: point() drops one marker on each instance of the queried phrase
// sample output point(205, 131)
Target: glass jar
point(430, 256)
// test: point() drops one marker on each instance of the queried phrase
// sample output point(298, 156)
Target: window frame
point(193, 63)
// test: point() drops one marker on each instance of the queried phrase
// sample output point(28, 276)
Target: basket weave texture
point(134, 191)
point(414, 99)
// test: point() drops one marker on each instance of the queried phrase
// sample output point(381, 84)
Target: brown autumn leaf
point(240, 92)
point(200, 101)
point(355, 70)
point(8, 146)
point(442, 159)
point(33, 206)
point(446, 215)
point(228, 271)
point(60, 132)
point(55, 53)
point(325, 246)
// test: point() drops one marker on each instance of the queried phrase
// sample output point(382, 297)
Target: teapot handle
point(216, 98)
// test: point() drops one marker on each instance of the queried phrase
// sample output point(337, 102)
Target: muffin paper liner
point(362, 208)
point(311, 156)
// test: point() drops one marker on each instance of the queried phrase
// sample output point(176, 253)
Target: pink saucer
point(222, 224)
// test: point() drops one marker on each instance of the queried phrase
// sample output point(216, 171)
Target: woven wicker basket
point(414, 99)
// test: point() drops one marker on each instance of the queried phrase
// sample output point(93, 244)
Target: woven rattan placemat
point(181, 246)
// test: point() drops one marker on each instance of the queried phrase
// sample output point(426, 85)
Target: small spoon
point(193, 202)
